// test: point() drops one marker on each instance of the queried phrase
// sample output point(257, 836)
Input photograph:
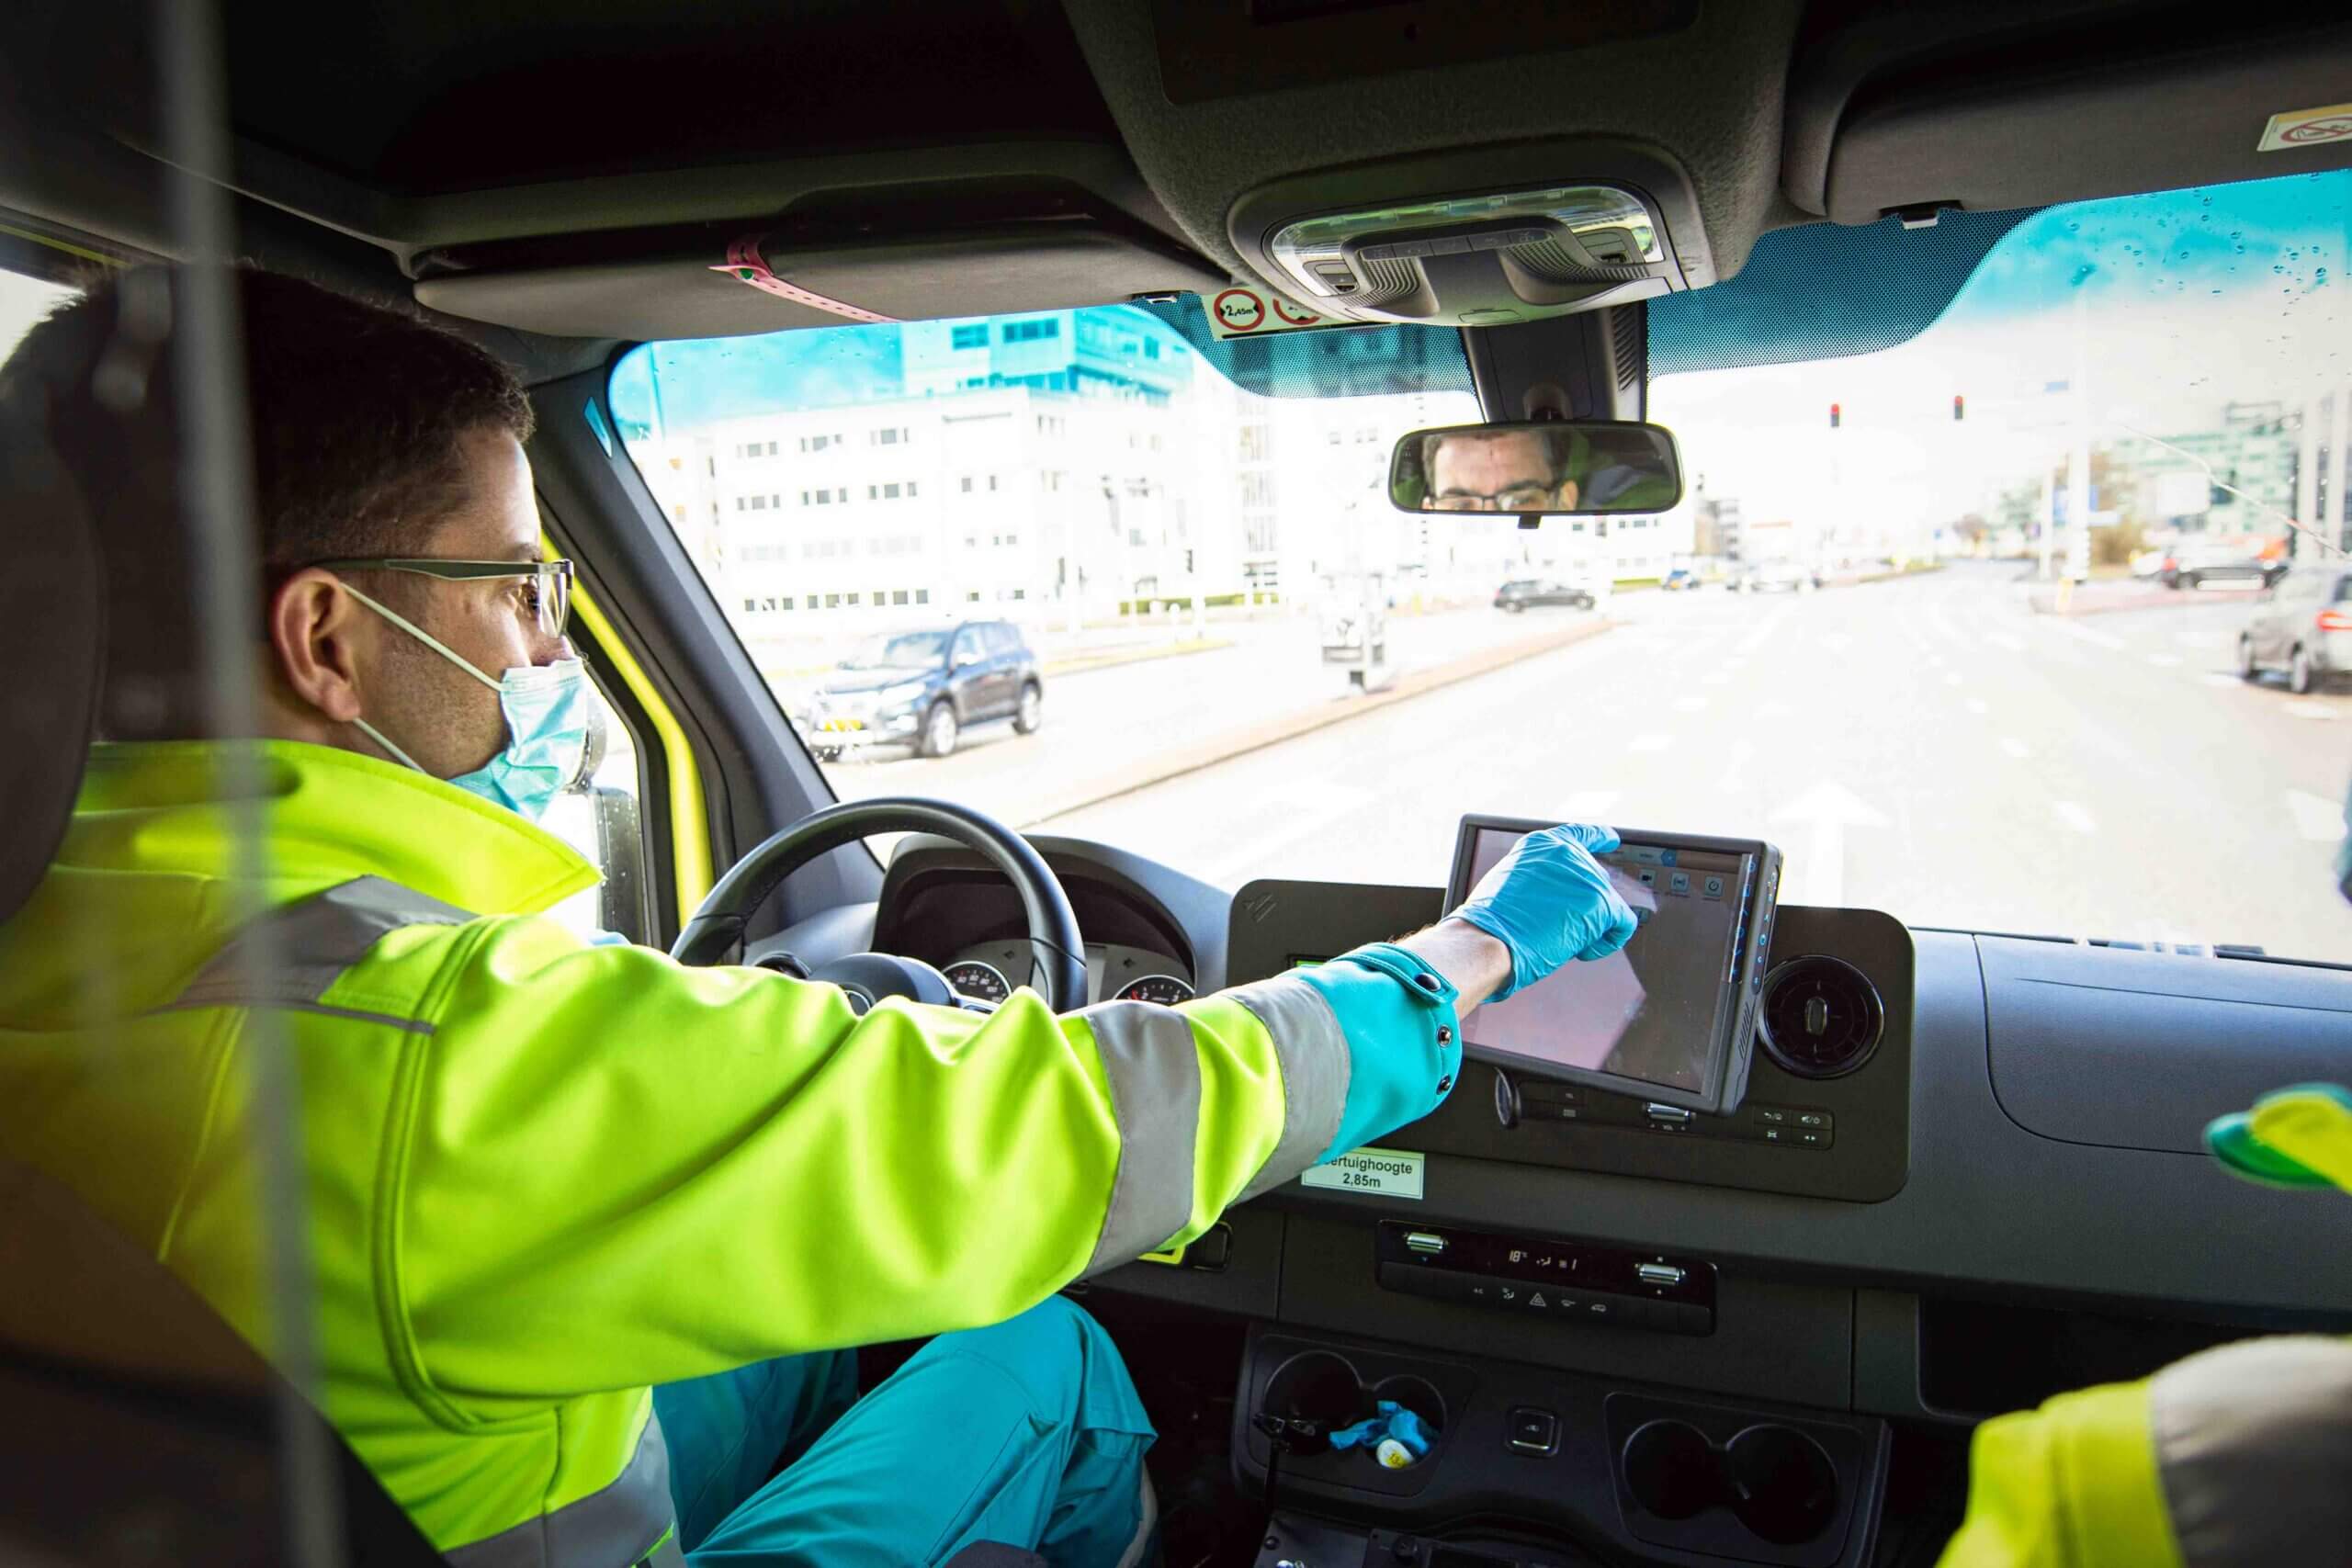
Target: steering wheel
point(1059, 962)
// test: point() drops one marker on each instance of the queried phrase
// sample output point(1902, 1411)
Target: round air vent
point(1820, 1016)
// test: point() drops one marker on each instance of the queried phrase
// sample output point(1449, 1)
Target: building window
point(971, 596)
point(992, 481)
point(898, 596)
point(810, 602)
point(975, 335)
point(739, 500)
point(833, 601)
point(910, 489)
point(751, 604)
point(967, 484)
point(923, 595)
point(853, 598)
point(1257, 442)
point(889, 437)
point(1031, 331)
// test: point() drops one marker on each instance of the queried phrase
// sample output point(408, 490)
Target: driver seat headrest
point(52, 641)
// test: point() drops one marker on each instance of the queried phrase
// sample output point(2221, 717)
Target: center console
point(1551, 1464)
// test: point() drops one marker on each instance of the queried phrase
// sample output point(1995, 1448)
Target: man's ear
point(315, 627)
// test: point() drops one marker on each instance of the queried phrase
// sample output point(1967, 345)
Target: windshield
point(897, 650)
point(1980, 628)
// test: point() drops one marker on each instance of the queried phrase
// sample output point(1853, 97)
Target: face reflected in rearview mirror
point(1547, 469)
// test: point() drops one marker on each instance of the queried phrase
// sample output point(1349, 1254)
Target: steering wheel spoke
point(716, 927)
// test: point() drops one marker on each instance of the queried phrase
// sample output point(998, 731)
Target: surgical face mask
point(546, 709)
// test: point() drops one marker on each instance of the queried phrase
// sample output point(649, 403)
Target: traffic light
point(1833, 416)
point(1958, 407)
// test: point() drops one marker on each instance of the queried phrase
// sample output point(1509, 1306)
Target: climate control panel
point(1561, 1282)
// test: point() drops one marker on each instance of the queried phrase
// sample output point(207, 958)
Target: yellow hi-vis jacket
point(2238, 1457)
point(542, 1174)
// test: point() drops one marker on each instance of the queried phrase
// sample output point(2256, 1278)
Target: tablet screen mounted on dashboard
point(1671, 1017)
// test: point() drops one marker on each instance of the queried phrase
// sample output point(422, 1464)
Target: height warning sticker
point(1391, 1173)
point(1253, 313)
point(2307, 128)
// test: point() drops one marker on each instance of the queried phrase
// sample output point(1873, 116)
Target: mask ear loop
point(437, 645)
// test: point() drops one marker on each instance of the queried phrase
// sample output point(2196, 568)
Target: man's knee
point(1062, 1359)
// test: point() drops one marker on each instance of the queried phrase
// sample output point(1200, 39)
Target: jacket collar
point(329, 816)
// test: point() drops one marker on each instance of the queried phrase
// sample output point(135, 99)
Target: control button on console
point(1668, 1115)
point(1534, 1431)
point(1812, 1119)
point(1425, 1241)
point(1658, 1274)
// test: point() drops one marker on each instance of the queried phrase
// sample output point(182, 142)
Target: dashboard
point(2014, 1162)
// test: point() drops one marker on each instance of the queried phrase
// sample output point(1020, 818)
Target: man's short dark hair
point(358, 416)
point(357, 413)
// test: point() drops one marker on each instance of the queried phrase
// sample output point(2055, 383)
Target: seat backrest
point(140, 1427)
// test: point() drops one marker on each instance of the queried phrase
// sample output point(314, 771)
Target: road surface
point(1929, 747)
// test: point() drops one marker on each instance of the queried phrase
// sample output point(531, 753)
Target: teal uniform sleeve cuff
point(1404, 1033)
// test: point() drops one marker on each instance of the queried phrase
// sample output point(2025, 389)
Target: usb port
point(1425, 1241)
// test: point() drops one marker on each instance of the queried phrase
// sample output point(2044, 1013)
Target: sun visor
point(2110, 113)
point(752, 284)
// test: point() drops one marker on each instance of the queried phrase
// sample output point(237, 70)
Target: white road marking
point(2199, 640)
point(1308, 811)
point(1764, 630)
point(1976, 705)
point(2074, 816)
point(2084, 634)
point(1828, 808)
point(2016, 747)
point(1689, 705)
point(1588, 805)
point(2215, 678)
point(1651, 742)
point(2304, 707)
point(2164, 660)
point(2005, 642)
point(2321, 821)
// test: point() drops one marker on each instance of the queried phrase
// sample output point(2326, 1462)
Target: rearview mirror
point(1546, 468)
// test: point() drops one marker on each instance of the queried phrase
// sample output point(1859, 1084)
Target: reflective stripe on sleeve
point(624, 1522)
point(316, 940)
point(2254, 1449)
point(1154, 1069)
point(1312, 1052)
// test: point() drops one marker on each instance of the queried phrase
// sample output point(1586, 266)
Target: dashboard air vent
point(1820, 1017)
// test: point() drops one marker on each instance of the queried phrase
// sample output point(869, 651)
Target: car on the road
point(924, 687)
point(1680, 580)
point(1526, 594)
point(2197, 563)
point(2304, 627)
point(1776, 577)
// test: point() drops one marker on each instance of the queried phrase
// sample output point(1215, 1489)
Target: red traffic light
point(1958, 407)
point(1833, 416)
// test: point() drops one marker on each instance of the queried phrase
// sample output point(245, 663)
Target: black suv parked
point(923, 687)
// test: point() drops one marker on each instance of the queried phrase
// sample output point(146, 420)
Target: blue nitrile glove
point(1549, 901)
point(1394, 1424)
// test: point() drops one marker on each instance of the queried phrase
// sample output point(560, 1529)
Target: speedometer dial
point(1165, 989)
point(977, 980)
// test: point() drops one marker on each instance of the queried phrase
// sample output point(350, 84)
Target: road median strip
point(1085, 663)
point(1256, 736)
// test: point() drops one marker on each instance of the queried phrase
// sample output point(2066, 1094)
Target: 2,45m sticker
point(1390, 1173)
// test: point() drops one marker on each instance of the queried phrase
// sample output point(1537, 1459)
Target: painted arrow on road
point(1828, 808)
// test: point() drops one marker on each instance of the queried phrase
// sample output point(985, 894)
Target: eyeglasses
point(545, 586)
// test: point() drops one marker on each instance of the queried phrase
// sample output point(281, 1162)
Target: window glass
point(1966, 648)
point(24, 301)
point(602, 818)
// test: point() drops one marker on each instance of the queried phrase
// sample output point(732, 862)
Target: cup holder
point(1784, 1487)
point(1773, 1479)
point(1316, 1393)
point(1672, 1469)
